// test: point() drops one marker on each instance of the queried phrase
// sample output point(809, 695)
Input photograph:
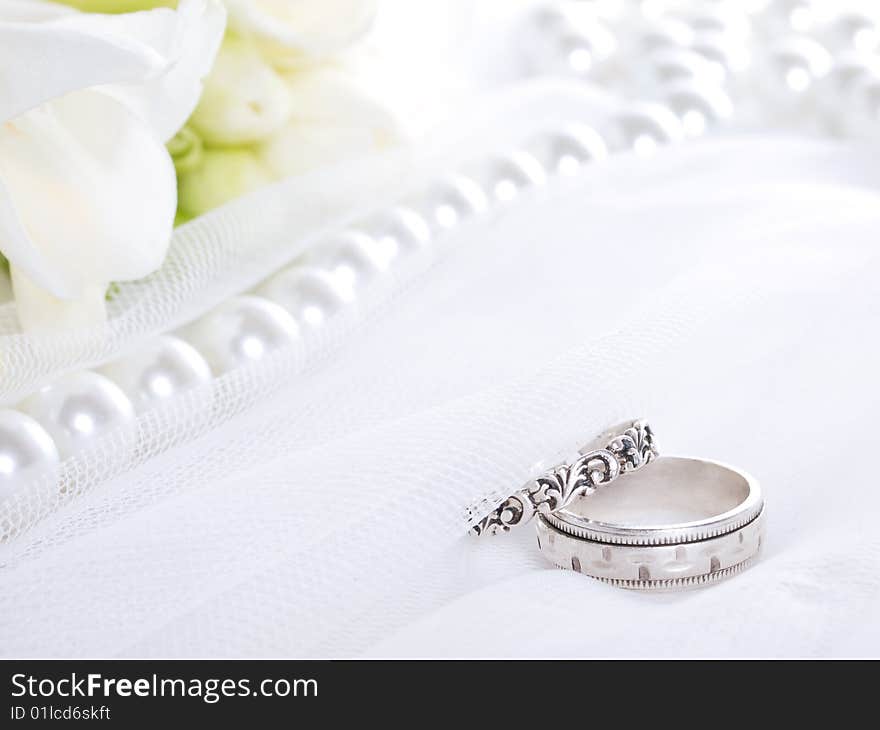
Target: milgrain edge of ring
point(681, 535)
point(655, 535)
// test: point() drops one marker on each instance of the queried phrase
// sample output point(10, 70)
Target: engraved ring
point(684, 522)
point(618, 450)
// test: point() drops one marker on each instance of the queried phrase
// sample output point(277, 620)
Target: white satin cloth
point(726, 290)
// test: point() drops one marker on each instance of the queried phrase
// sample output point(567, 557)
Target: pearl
point(671, 65)
point(397, 231)
point(853, 30)
point(78, 408)
point(507, 176)
point(162, 368)
point(729, 54)
point(723, 20)
point(698, 106)
point(449, 201)
point(787, 16)
point(643, 128)
point(584, 50)
point(241, 331)
point(568, 41)
point(306, 293)
point(569, 149)
point(794, 65)
point(351, 259)
point(665, 34)
point(27, 452)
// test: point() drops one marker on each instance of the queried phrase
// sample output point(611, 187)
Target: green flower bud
point(181, 217)
point(244, 98)
point(186, 150)
point(334, 120)
point(223, 175)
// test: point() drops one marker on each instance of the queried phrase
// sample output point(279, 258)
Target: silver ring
point(618, 450)
point(683, 522)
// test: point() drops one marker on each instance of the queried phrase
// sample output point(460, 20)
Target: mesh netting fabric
point(210, 259)
point(314, 505)
point(232, 249)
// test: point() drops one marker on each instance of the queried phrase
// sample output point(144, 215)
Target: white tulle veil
point(314, 505)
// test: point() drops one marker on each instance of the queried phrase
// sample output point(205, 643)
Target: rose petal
point(53, 54)
point(167, 101)
point(333, 119)
point(304, 27)
point(39, 311)
point(46, 59)
point(89, 194)
point(30, 10)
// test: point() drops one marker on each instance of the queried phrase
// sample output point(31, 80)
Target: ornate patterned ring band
point(683, 522)
point(618, 450)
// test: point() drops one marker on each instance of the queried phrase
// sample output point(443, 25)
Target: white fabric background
point(726, 290)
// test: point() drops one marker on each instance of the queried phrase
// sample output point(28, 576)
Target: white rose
point(87, 187)
point(291, 31)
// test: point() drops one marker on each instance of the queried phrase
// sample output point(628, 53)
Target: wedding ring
point(683, 522)
point(618, 450)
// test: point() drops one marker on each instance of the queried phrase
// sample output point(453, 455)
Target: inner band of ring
point(721, 497)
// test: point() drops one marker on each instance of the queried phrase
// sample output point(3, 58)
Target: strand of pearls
point(813, 65)
point(62, 418)
point(690, 64)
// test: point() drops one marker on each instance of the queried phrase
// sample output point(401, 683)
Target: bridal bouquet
point(122, 118)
